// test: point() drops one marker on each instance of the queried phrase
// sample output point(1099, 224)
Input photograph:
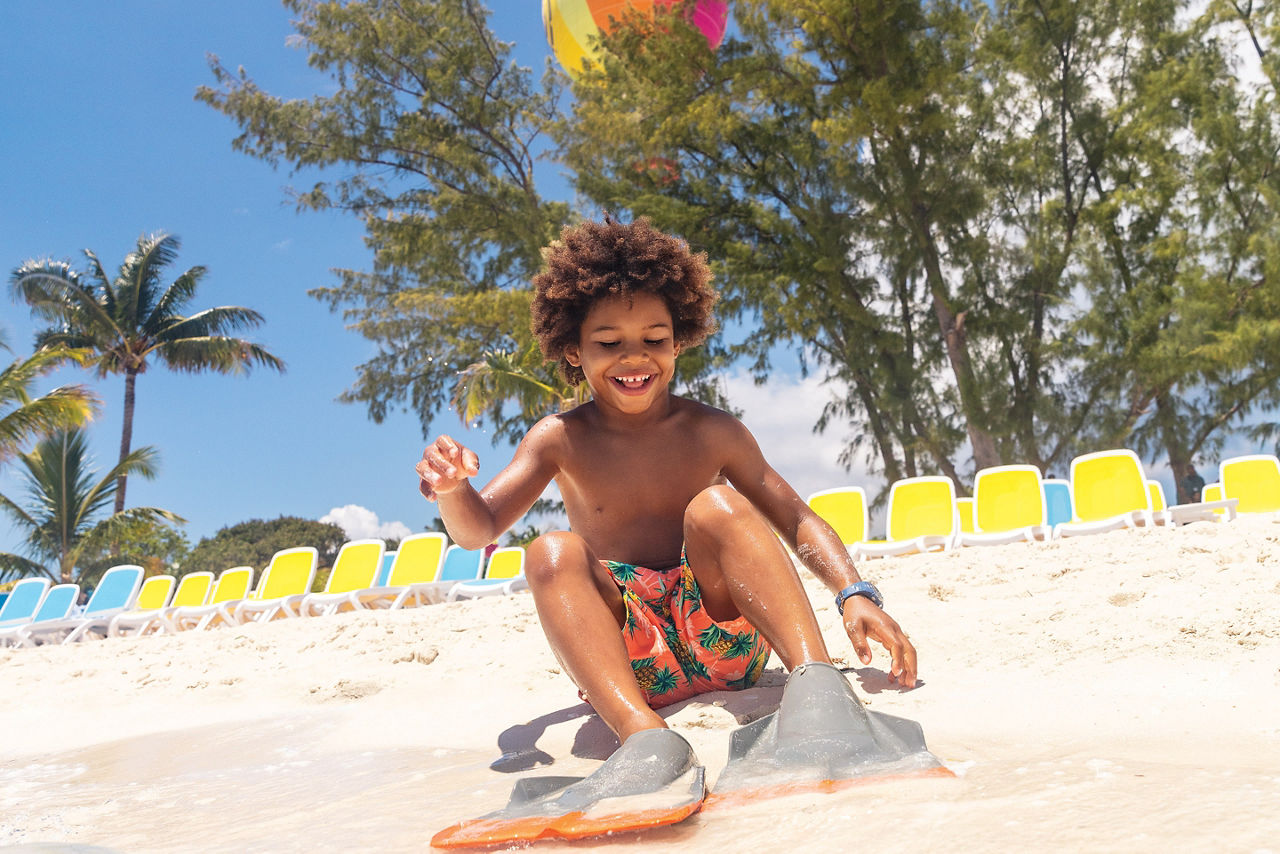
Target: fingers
point(470, 462)
point(444, 465)
point(859, 638)
point(902, 655)
point(874, 623)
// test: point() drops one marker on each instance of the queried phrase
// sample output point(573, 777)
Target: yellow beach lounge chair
point(503, 576)
point(844, 508)
point(1109, 491)
point(414, 573)
point(964, 514)
point(193, 590)
point(1253, 480)
point(153, 596)
point(232, 587)
point(355, 568)
point(922, 518)
point(1009, 507)
point(280, 587)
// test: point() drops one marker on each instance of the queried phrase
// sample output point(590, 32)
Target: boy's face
point(626, 348)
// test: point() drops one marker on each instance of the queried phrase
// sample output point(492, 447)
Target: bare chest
point(627, 498)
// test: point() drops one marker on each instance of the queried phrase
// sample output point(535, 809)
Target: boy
point(668, 583)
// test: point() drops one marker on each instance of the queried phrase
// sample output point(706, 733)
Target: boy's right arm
point(474, 519)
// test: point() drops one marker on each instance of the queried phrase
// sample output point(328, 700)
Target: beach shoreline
point(1109, 692)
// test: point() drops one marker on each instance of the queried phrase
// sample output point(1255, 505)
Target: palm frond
point(180, 292)
point(65, 406)
point(16, 566)
point(56, 293)
point(216, 353)
point(14, 511)
point(504, 376)
point(212, 321)
point(138, 284)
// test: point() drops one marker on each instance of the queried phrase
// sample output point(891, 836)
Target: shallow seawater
point(289, 785)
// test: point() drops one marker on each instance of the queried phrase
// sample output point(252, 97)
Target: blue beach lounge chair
point(22, 602)
point(152, 596)
point(1057, 501)
point(115, 593)
point(57, 605)
point(459, 565)
point(384, 572)
point(503, 576)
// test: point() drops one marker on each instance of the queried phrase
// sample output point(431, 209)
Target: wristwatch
point(862, 588)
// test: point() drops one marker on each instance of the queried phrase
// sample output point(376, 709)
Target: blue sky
point(102, 141)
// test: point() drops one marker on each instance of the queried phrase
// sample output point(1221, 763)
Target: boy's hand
point(444, 466)
point(862, 620)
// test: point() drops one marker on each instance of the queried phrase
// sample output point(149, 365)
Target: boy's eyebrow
point(607, 328)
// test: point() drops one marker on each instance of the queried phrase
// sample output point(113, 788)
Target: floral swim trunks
point(676, 649)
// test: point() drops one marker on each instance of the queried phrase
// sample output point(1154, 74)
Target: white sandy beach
point(1118, 692)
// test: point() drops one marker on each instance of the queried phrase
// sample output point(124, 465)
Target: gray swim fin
point(821, 738)
point(652, 780)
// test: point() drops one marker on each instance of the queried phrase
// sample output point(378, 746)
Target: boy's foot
point(652, 780)
point(822, 738)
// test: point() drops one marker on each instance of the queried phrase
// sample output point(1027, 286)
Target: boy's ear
point(573, 355)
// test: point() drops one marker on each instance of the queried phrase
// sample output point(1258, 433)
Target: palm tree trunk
point(126, 436)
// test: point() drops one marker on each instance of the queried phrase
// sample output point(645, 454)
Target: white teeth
point(636, 379)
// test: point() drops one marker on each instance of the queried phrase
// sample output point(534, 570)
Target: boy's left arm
point(821, 551)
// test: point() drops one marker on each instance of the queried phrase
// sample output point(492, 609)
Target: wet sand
point(1114, 693)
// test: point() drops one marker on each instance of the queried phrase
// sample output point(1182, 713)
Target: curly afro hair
point(594, 260)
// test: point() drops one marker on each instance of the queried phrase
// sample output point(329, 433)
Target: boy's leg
point(582, 614)
point(743, 569)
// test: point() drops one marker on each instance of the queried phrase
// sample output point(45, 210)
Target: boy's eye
point(607, 344)
point(653, 343)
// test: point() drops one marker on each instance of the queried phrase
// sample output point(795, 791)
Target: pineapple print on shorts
point(676, 649)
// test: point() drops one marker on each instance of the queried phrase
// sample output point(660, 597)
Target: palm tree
point(124, 320)
point(65, 498)
point(522, 377)
point(24, 418)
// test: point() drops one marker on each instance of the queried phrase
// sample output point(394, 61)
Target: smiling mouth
point(633, 382)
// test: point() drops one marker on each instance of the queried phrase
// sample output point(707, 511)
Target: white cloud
point(781, 414)
point(360, 523)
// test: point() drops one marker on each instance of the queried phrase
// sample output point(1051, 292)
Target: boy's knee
point(716, 506)
point(552, 553)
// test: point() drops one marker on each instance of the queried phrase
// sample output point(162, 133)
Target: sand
point(1117, 692)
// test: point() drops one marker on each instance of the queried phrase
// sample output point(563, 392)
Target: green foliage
point(1008, 230)
point(155, 546)
point(438, 133)
point(988, 222)
point(119, 323)
point(62, 516)
point(253, 543)
point(24, 418)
